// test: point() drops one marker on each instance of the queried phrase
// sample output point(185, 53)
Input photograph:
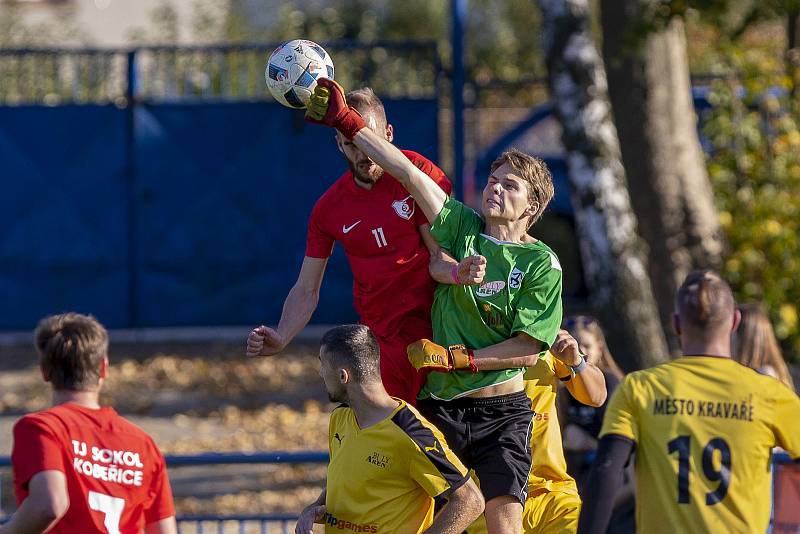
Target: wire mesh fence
point(223, 72)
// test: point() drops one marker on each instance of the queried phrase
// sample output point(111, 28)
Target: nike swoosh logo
point(402, 261)
point(346, 229)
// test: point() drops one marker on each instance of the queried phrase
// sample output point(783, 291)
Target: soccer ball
point(293, 69)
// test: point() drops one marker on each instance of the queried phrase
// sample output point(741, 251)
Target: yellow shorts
point(547, 512)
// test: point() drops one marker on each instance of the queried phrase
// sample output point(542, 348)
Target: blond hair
point(534, 173)
point(71, 347)
point(756, 345)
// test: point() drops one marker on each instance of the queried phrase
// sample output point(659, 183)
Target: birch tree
point(613, 254)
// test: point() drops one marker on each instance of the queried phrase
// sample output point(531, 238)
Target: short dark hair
point(534, 172)
point(71, 347)
point(366, 101)
point(705, 300)
point(355, 347)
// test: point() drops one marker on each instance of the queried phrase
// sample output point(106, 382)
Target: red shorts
point(399, 378)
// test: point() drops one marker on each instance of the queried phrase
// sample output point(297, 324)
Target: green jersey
point(521, 292)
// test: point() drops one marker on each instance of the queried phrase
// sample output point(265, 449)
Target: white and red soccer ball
point(293, 69)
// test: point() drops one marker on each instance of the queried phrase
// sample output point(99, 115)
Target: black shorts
point(490, 435)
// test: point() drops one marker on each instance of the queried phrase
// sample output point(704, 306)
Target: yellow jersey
point(704, 429)
point(382, 479)
point(549, 471)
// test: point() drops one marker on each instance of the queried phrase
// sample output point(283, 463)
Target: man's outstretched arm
point(521, 350)
point(297, 311)
point(428, 195)
point(327, 106)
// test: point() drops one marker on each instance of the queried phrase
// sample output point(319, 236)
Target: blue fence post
point(459, 13)
point(130, 189)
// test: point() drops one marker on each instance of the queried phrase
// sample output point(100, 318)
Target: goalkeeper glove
point(328, 106)
point(425, 354)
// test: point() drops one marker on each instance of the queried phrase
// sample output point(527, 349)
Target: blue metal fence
point(226, 72)
point(165, 188)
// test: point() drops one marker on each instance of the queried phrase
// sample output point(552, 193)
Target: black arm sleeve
point(605, 479)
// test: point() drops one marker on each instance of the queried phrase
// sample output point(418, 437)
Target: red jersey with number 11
point(379, 231)
point(116, 476)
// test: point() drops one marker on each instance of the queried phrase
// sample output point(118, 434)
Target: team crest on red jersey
point(404, 208)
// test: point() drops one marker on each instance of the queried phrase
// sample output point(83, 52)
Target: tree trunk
point(613, 255)
point(704, 237)
point(650, 91)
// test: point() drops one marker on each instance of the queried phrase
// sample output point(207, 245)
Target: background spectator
point(756, 346)
point(582, 423)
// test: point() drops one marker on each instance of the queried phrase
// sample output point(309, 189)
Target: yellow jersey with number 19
point(383, 478)
point(704, 429)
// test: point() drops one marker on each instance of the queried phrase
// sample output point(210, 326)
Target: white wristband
point(577, 369)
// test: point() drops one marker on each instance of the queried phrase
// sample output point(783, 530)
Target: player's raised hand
point(327, 106)
point(264, 341)
point(566, 349)
point(310, 515)
point(471, 270)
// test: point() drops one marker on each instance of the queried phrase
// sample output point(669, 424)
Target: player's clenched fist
point(328, 106)
point(425, 354)
point(566, 349)
point(471, 270)
point(264, 341)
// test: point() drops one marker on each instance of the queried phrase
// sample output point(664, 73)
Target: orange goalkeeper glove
point(425, 354)
point(328, 106)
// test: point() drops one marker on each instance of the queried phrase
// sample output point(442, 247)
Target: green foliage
point(732, 17)
point(503, 37)
point(504, 40)
point(16, 33)
point(754, 128)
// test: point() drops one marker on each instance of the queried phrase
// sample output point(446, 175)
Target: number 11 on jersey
point(379, 237)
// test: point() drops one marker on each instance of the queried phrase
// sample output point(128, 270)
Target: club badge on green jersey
point(515, 278)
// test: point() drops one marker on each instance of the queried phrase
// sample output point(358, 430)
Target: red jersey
point(116, 476)
point(379, 231)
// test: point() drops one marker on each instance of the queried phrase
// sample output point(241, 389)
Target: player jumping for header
point(387, 243)
point(475, 394)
